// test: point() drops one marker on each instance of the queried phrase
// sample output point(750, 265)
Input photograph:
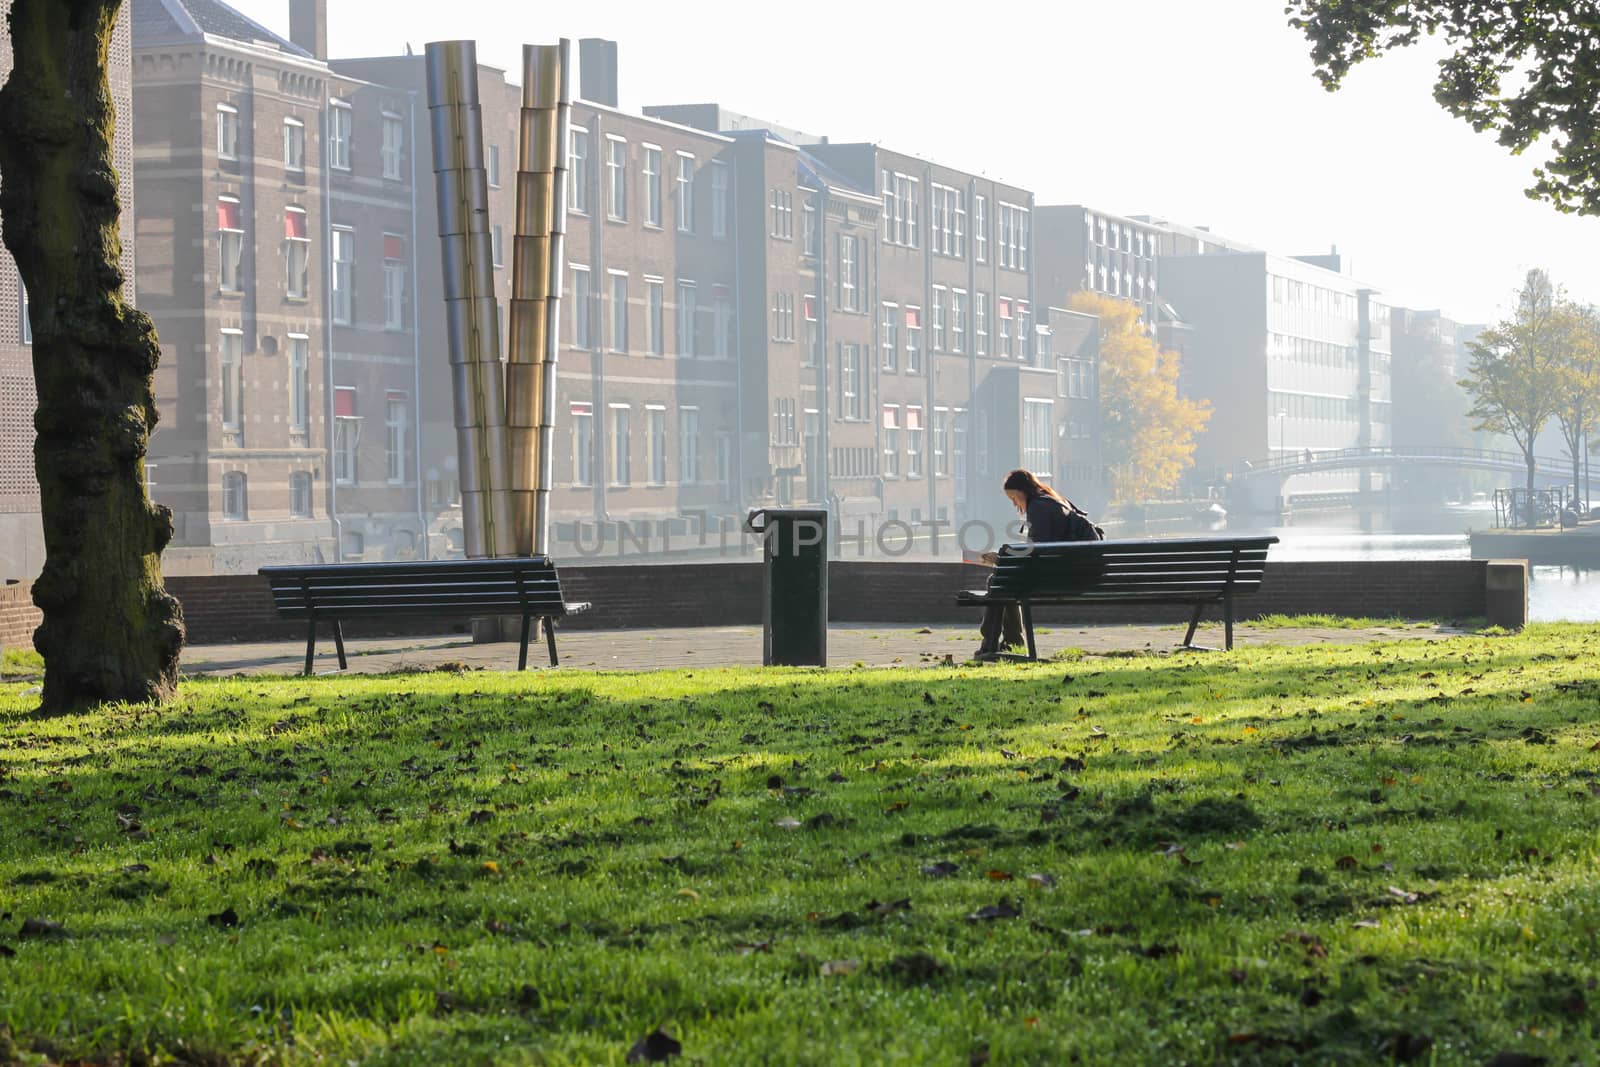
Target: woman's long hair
point(1030, 486)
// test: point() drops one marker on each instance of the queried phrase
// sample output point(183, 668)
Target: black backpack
point(1080, 527)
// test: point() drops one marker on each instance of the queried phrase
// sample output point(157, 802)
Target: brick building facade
point(21, 534)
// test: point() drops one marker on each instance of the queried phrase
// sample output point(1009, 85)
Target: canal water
point(1555, 594)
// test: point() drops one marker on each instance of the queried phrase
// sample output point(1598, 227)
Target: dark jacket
point(1047, 520)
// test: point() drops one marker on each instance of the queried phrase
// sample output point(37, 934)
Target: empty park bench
point(1196, 571)
point(461, 588)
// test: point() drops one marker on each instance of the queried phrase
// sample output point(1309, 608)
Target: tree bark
point(111, 632)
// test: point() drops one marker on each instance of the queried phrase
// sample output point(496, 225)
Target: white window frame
point(980, 323)
point(656, 315)
point(492, 165)
point(621, 430)
point(958, 321)
point(1038, 417)
point(230, 249)
point(650, 168)
point(722, 340)
point(230, 363)
point(684, 191)
point(301, 482)
point(719, 199)
point(235, 496)
point(980, 228)
point(913, 414)
point(299, 382)
point(294, 145)
point(394, 288)
point(582, 298)
point(297, 283)
point(341, 130)
point(396, 423)
point(227, 132)
point(891, 441)
point(342, 286)
point(655, 429)
point(394, 140)
point(688, 445)
point(849, 275)
point(687, 311)
point(582, 414)
point(578, 170)
point(889, 319)
point(619, 311)
point(616, 178)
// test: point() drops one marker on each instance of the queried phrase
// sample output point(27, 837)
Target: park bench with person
point(1193, 571)
point(448, 588)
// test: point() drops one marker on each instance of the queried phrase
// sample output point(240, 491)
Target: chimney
point(308, 26)
point(597, 71)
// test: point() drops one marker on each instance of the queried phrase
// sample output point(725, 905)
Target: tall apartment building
point(1293, 356)
point(278, 225)
point(1081, 249)
point(21, 533)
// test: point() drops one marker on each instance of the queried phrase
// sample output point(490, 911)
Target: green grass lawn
point(1331, 854)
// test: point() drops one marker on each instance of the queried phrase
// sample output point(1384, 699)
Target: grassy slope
point(1380, 846)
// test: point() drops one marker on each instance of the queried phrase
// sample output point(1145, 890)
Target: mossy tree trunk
point(111, 631)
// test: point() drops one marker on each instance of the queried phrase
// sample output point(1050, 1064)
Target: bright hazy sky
point(1201, 111)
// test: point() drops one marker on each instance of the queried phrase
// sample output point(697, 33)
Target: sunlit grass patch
point(1336, 622)
point(1330, 854)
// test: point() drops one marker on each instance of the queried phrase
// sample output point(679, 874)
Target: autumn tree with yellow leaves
point(1148, 431)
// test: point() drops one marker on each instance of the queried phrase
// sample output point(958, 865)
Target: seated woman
point(1046, 518)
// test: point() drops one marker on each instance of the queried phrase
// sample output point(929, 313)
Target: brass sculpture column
point(472, 320)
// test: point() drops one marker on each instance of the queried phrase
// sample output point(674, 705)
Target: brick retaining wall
point(223, 608)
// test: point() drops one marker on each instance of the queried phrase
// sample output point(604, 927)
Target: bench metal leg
point(1027, 629)
point(338, 642)
point(1227, 608)
point(549, 625)
point(311, 642)
point(522, 651)
point(1194, 620)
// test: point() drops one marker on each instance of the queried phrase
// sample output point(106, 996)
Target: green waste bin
point(794, 585)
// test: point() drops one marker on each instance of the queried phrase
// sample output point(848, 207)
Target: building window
point(780, 205)
point(941, 451)
point(811, 354)
point(394, 136)
point(656, 291)
point(234, 504)
point(395, 421)
point(352, 546)
point(294, 145)
point(616, 178)
point(1036, 419)
point(889, 337)
point(850, 401)
point(582, 443)
point(913, 442)
point(394, 282)
point(227, 131)
point(980, 228)
point(497, 246)
point(232, 364)
point(656, 420)
point(688, 445)
point(783, 316)
point(578, 173)
point(724, 344)
point(582, 297)
point(958, 321)
point(913, 340)
point(685, 193)
point(891, 441)
point(960, 217)
point(652, 185)
point(339, 124)
point(344, 256)
point(230, 227)
point(725, 465)
point(901, 203)
point(619, 312)
point(719, 199)
point(299, 383)
point(1014, 225)
point(300, 495)
point(296, 252)
point(346, 435)
point(949, 224)
point(808, 227)
point(936, 317)
point(1004, 308)
point(980, 323)
point(686, 318)
point(849, 274)
point(494, 166)
point(621, 458)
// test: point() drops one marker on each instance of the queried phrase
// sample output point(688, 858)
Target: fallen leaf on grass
point(998, 876)
point(655, 1047)
point(838, 968)
point(1346, 863)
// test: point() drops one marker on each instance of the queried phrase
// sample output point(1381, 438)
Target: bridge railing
point(1312, 459)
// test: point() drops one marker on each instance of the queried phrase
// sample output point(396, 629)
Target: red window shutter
point(344, 403)
point(1005, 309)
point(227, 215)
point(294, 225)
point(393, 247)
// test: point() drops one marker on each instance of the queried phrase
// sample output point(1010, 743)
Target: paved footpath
point(889, 644)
